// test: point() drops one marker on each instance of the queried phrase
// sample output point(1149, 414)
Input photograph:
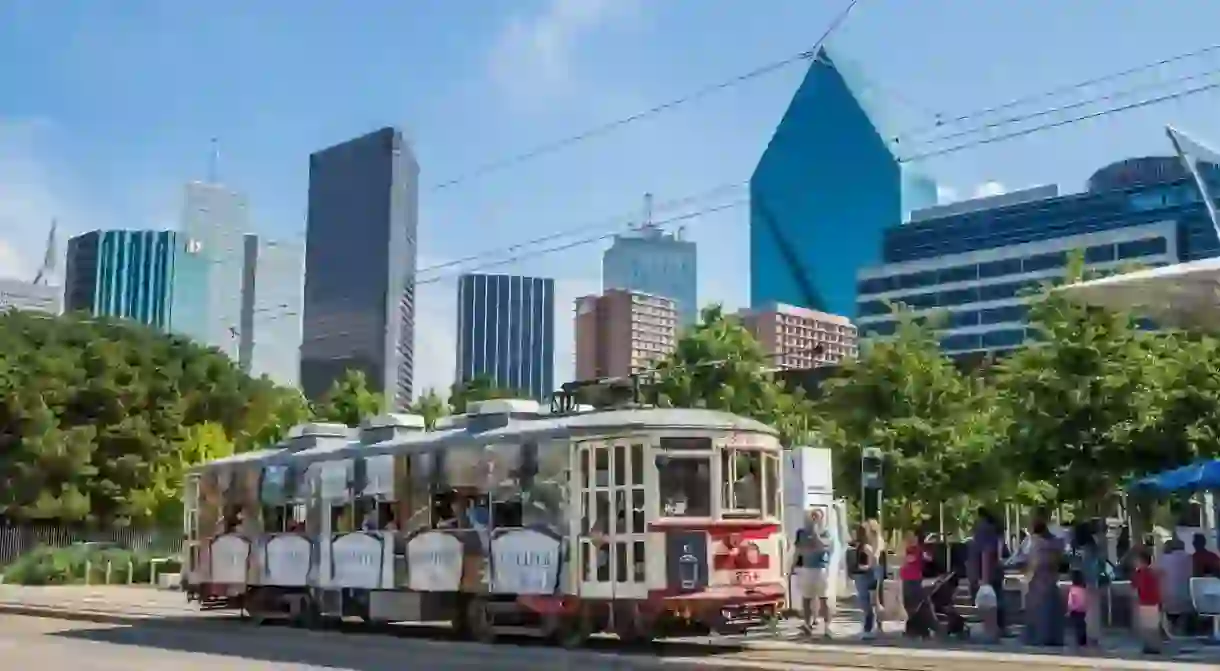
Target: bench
point(1205, 598)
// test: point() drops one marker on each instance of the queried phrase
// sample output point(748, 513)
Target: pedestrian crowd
point(1053, 616)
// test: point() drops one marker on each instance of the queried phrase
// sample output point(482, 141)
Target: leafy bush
point(69, 566)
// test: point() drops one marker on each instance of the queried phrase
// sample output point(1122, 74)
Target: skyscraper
point(128, 274)
point(214, 222)
point(506, 331)
point(826, 187)
point(651, 261)
point(272, 287)
point(360, 257)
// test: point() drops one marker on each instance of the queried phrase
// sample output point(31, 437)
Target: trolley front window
point(685, 486)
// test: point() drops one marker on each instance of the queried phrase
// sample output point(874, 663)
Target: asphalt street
point(58, 645)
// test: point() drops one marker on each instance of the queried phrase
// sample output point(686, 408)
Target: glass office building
point(506, 331)
point(824, 191)
point(359, 306)
point(977, 260)
point(214, 222)
point(127, 274)
point(272, 289)
point(653, 262)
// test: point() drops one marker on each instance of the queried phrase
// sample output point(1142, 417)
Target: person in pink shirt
point(914, 557)
point(1078, 608)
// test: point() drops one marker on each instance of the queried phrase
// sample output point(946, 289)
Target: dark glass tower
point(360, 265)
point(506, 332)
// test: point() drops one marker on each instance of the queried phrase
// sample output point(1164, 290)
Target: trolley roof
point(515, 430)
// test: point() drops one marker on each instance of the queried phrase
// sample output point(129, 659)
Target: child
point(1078, 606)
point(1147, 586)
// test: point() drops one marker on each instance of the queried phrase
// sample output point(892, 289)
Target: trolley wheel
point(298, 610)
point(630, 625)
point(479, 621)
point(571, 630)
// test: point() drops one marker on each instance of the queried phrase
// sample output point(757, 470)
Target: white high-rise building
point(214, 221)
point(272, 293)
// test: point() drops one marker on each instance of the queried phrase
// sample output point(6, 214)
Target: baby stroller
point(937, 611)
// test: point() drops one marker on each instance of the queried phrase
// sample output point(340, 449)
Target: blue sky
point(107, 107)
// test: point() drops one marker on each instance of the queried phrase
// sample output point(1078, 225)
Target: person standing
point(863, 570)
point(986, 567)
point(1078, 606)
point(914, 558)
point(1147, 586)
point(1090, 562)
point(814, 546)
point(1043, 606)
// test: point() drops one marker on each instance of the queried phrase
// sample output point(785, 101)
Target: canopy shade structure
point(1184, 295)
point(1196, 477)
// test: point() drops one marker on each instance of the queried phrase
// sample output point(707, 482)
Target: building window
point(1141, 248)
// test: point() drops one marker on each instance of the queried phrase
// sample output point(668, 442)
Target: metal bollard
point(88, 571)
point(131, 572)
point(108, 565)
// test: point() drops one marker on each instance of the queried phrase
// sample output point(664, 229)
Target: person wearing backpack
point(1089, 559)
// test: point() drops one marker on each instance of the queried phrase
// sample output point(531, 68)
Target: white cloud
point(945, 194)
point(436, 330)
point(987, 189)
point(532, 56)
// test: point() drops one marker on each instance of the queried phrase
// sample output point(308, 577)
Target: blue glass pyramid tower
point(825, 188)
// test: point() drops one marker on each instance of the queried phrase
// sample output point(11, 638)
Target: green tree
point(934, 425)
point(478, 388)
point(349, 400)
point(198, 443)
point(1072, 396)
point(271, 412)
point(431, 407)
point(1176, 405)
point(717, 364)
point(92, 409)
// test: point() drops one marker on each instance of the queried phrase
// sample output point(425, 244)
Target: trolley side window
point(751, 483)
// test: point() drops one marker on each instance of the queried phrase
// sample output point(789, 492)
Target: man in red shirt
point(1205, 563)
point(1147, 585)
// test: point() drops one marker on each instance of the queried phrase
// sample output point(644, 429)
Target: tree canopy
point(717, 364)
point(93, 414)
point(478, 388)
point(349, 400)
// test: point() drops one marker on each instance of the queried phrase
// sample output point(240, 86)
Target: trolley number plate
point(745, 578)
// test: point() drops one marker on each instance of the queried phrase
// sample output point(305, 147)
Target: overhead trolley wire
point(656, 110)
point(526, 250)
point(1058, 91)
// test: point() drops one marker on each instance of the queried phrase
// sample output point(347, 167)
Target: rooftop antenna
point(648, 210)
point(214, 162)
point(49, 257)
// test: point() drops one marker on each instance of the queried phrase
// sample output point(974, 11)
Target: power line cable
point(1139, 104)
point(1060, 90)
point(583, 241)
point(533, 253)
point(656, 110)
point(623, 220)
point(1019, 118)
